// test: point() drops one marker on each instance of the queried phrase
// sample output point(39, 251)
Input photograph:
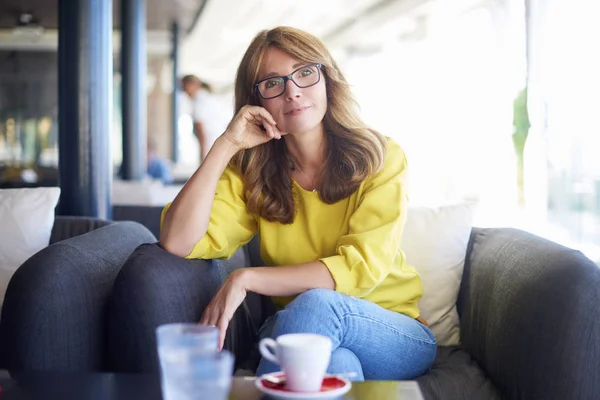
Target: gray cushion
point(254, 252)
point(66, 227)
point(456, 376)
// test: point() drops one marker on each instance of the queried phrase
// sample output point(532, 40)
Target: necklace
point(312, 181)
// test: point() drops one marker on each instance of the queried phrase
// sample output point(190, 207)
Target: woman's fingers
point(210, 317)
point(256, 111)
point(222, 324)
point(263, 117)
point(219, 320)
point(270, 129)
point(205, 316)
point(275, 134)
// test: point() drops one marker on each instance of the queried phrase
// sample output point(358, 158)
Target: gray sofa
point(529, 309)
point(38, 330)
point(530, 323)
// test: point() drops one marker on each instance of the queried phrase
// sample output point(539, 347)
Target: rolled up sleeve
point(365, 256)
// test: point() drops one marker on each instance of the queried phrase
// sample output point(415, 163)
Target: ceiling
point(217, 32)
point(226, 27)
point(215, 47)
point(159, 13)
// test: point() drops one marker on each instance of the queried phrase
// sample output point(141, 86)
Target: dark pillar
point(85, 106)
point(133, 87)
point(174, 95)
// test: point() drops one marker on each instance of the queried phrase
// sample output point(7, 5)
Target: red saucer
point(332, 387)
point(329, 383)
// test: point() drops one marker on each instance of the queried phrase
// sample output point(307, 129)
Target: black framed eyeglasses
point(303, 77)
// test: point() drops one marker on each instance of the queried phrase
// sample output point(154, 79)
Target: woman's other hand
point(222, 307)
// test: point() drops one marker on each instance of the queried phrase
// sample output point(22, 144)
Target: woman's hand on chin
point(246, 129)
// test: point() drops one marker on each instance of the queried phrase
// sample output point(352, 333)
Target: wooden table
point(114, 386)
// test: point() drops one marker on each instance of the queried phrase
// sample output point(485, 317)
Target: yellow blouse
point(357, 238)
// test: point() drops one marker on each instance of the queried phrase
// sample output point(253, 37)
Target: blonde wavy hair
point(354, 151)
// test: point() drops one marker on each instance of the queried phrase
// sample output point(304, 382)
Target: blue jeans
point(376, 343)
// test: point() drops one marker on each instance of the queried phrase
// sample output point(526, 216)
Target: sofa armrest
point(66, 227)
point(530, 315)
point(53, 317)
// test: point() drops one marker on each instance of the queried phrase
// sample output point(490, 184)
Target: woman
point(326, 196)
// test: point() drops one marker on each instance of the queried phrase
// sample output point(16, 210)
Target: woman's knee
point(319, 304)
point(314, 300)
point(313, 311)
point(344, 360)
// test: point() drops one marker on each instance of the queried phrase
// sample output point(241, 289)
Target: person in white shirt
point(210, 119)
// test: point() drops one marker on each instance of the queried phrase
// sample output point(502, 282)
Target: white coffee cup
point(303, 357)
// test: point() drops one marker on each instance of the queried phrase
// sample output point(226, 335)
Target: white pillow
point(27, 217)
point(435, 243)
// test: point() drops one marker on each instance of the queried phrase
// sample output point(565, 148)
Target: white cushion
point(27, 217)
point(435, 243)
